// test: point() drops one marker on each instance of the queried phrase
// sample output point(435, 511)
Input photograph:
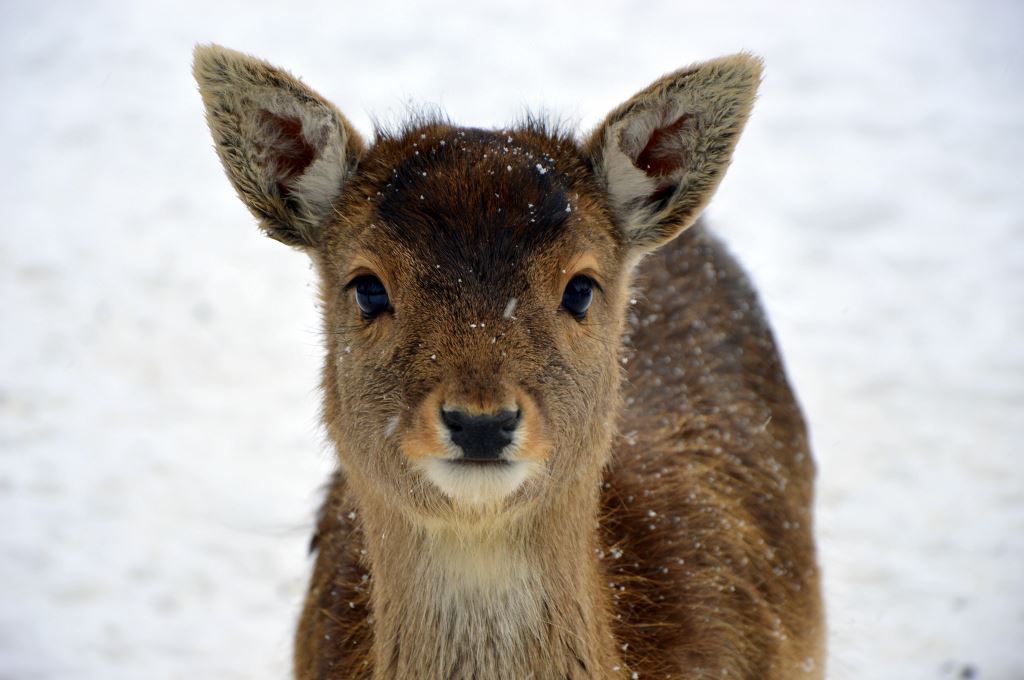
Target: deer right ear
point(661, 155)
point(286, 150)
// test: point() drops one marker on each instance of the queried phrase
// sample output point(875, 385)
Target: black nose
point(481, 438)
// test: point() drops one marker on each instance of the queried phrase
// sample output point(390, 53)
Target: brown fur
point(663, 526)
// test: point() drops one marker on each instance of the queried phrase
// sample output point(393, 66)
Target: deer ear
point(287, 151)
point(661, 155)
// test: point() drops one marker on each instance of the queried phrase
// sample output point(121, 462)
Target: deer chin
point(475, 483)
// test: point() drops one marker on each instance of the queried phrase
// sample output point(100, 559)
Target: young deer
point(539, 477)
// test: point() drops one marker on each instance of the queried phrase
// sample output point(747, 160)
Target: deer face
point(473, 293)
point(474, 283)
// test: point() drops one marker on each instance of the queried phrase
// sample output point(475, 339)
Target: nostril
point(509, 420)
point(453, 420)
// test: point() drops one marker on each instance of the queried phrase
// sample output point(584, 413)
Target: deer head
point(474, 283)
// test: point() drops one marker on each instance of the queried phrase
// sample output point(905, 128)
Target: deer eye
point(371, 296)
point(579, 292)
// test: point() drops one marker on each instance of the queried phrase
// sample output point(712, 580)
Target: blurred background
point(160, 456)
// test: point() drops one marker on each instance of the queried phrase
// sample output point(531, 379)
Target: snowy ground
point(159, 451)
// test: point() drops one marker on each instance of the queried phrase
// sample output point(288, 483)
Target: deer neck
point(511, 598)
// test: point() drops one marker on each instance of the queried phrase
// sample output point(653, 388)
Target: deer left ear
point(285, 148)
point(662, 154)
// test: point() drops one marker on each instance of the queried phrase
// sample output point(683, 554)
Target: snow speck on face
point(568, 207)
point(510, 309)
point(541, 169)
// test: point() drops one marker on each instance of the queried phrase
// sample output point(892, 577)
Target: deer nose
point(481, 437)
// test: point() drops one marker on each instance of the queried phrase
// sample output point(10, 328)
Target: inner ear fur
point(286, 149)
point(661, 155)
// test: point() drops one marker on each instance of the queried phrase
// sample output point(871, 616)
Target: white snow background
point(160, 456)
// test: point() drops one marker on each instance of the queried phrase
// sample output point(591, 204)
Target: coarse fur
point(651, 516)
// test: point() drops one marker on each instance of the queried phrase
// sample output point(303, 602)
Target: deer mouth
point(479, 463)
point(474, 481)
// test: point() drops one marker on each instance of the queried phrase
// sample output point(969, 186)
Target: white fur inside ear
point(318, 186)
point(319, 183)
point(629, 186)
point(635, 132)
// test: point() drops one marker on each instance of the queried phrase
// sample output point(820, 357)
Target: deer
point(566, 443)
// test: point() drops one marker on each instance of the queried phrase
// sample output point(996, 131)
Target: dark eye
point(578, 295)
point(371, 296)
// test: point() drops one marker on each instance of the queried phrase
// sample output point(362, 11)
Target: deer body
point(538, 477)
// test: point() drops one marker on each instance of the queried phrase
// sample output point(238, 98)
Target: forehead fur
point(480, 199)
